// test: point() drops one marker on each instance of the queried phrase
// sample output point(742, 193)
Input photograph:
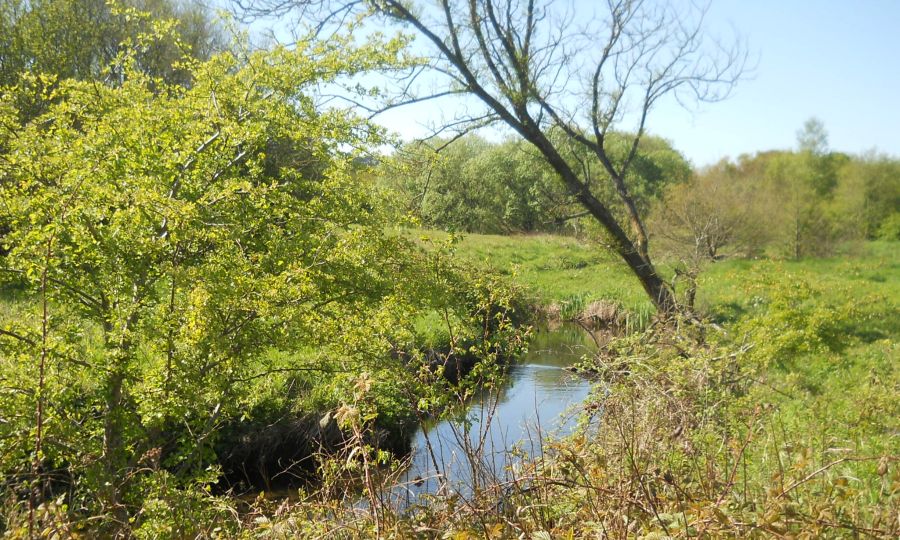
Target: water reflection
point(537, 398)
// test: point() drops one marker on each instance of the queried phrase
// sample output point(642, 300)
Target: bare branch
point(534, 66)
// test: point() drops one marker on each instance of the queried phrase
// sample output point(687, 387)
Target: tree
point(43, 42)
point(167, 252)
point(713, 216)
point(538, 67)
point(793, 204)
point(813, 137)
point(806, 182)
point(868, 194)
point(80, 39)
point(717, 214)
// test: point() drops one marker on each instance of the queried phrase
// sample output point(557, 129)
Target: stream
point(536, 401)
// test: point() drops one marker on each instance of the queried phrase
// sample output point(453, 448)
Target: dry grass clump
point(602, 315)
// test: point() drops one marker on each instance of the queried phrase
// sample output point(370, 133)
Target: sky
point(836, 60)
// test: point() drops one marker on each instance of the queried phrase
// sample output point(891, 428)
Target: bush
point(890, 227)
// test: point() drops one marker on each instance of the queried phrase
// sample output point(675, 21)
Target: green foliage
point(80, 39)
point(554, 268)
point(169, 254)
point(780, 203)
point(713, 216)
point(473, 185)
point(784, 204)
point(890, 227)
point(791, 321)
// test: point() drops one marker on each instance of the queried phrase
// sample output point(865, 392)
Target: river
point(538, 400)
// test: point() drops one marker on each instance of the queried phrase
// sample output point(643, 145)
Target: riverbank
point(783, 424)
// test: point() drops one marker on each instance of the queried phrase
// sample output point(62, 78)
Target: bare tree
point(560, 66)
point(713, 216)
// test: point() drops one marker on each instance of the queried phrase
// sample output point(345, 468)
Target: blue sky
point(836, 60)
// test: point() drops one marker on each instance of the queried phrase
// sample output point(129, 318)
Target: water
point(538, 399)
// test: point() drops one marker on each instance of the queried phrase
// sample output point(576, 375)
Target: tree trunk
point(115, 453)
point(113, 442)
point(637, 258)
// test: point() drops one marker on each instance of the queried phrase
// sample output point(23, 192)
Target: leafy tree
point(167, 252)
point(478, 186)
point(712, 217)
point(655, 166)
point(794, 204)
point(471, 185)
point(813, 138)
point(80, 39)
point(867, 194)
point(716, 214)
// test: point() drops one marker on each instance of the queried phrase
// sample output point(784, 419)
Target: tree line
point(783, 203)
point(476, 185)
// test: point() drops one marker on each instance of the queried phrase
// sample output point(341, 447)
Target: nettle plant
point(169, 235)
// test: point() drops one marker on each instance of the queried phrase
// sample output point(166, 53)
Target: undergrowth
point(776, 417)
point(783, 425)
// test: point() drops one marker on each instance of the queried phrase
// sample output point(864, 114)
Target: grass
point(872, 271)
point(554, 268)
point(568, 271)
point(557, 268)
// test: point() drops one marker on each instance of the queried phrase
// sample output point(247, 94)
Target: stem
point(37, 488)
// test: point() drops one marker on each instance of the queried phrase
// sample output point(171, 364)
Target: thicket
point(475, 185)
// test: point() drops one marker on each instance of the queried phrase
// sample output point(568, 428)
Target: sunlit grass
point(555, 268)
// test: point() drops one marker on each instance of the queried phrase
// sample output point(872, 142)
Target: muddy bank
point(286, 453)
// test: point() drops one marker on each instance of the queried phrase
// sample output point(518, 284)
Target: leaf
point(721, 516)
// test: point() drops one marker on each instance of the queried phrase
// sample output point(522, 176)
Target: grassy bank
point(554, 268)
point(563, 269)
point(785, 424)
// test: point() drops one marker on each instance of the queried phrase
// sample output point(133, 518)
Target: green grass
point(557, 268)
point(873, 268)
point(554, 268)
